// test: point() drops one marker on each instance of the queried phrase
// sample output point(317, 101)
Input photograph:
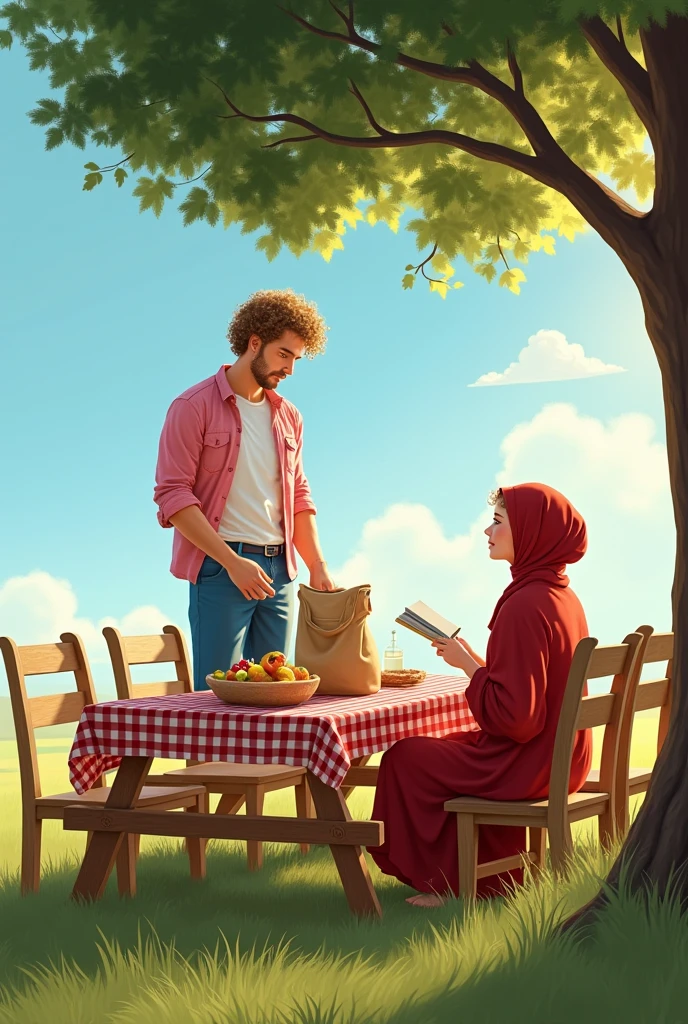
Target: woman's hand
point(458, 654)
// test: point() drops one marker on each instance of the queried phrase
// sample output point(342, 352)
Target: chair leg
point(607, 828)
point(126, 866)
point(31, 854)
point(254, 807)
point(195, 845)
point(537, 844)
point(304, 806)
point(468, 855)
point(560, 847)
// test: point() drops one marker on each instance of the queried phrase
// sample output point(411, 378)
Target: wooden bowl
point(264, 695)
point(403, 677)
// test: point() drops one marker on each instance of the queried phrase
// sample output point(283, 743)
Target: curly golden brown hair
point(496, 498)
point(270, 313)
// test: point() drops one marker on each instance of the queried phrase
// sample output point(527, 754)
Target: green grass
point(279, 946)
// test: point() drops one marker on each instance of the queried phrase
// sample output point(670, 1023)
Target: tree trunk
point(655, 852)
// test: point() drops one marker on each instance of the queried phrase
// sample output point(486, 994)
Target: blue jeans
point(226, 627)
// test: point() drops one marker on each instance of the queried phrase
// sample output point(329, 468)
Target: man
point(230, 480)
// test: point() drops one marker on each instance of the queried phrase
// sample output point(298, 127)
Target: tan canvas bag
point(334, 641)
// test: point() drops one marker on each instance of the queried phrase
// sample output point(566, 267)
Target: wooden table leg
point(350, 860)
point(356, 762)
point(102, 850)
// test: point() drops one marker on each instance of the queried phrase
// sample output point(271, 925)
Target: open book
point(423, 620)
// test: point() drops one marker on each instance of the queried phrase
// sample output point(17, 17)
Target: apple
point(301, 673)
point(218, 674)
point(241, 675)
point(230, 675)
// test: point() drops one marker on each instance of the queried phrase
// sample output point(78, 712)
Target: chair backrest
point(585, 712)
point(656, 693)
point(169, 646)
point(54, 709)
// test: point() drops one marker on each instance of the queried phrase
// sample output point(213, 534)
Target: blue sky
point(109, 314)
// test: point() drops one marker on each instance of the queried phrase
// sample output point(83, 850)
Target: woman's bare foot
point(426, 899)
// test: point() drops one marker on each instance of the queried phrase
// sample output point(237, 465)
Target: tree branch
point(631, 75)
point(604, 210)
point(387, 139)
point(422, 265)
point(368, 112)
point(515, 70)
point(620, 31)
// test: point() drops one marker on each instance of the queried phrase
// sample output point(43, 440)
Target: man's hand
point(320, 577)
point(248, 576)
point(457, 654)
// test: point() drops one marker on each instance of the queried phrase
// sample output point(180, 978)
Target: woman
point(515, 695)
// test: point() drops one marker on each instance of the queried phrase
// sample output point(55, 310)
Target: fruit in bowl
point(285, 674)
point(257, 674)
point(273, 662)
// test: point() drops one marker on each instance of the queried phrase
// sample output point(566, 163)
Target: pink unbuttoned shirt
point(197, 456)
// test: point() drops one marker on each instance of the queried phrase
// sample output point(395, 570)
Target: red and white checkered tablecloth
point(323, 735)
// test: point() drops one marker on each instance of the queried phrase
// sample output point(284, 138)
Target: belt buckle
point(271, 550)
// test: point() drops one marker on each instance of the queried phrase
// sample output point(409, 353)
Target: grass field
point(279, 945)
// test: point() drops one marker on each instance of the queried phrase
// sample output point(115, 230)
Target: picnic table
point(332, 737)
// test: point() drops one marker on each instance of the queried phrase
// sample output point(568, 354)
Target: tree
point(497, 130)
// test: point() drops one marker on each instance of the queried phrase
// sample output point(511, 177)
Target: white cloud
point(616, 475)
point(548, 356)
point(38, 607)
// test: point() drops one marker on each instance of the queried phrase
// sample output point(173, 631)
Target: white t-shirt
point(253, 512)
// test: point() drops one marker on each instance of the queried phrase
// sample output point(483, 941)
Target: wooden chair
point(555, 814)
point(31, 713)
point(654, 693)
point(236, 783)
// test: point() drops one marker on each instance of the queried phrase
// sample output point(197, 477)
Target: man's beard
point(261, 371)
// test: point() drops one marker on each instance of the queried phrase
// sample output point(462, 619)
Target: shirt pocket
point(290, 452)
point(215, 451)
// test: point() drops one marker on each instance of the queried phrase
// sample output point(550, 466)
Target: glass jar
point(394, 656)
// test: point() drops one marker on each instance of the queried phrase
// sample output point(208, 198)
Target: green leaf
point(409, 266)
point(195, 205)
point(92, 167)
point(325, 242)
point(5, 39)
point(120, 175)
point(152, 193)
point(408, 280)
point(46, 112)
point(487, 271)
point(270, 245)
point(54, 137)
point(91, 180)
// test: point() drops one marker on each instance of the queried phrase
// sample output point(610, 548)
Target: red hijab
point(549, 534)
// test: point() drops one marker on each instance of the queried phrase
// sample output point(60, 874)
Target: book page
point(424, 611)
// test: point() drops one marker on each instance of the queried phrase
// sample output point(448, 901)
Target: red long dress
point(515, 699)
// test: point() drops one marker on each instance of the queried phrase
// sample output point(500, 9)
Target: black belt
point(268, 550)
